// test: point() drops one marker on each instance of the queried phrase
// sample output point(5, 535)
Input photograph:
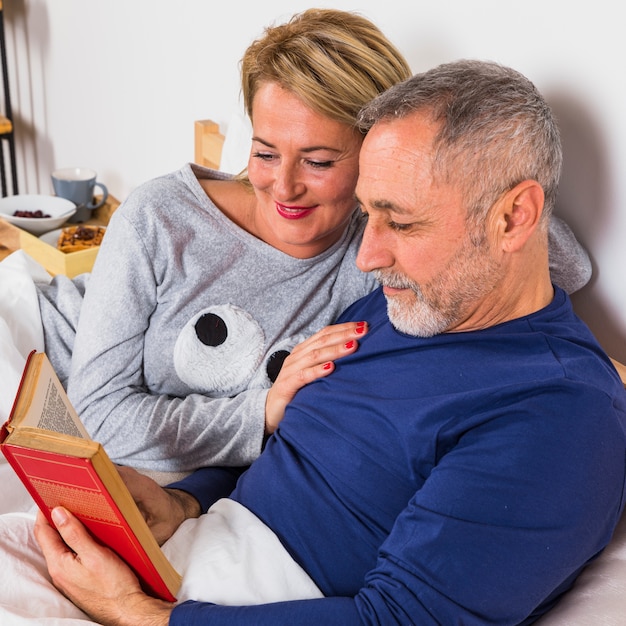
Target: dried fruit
point(37, 213)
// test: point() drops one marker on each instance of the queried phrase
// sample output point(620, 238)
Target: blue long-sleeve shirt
point(464, 478)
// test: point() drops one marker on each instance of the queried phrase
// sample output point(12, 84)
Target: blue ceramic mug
point(78, 185)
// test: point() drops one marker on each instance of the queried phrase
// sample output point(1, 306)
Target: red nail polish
point(360, 324)
point(359, 330)
point(327, 366)
point(348, 345)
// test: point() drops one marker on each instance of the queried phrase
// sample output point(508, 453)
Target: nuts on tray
point(82, 237)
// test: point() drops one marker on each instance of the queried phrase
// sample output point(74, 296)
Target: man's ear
point(519, 212)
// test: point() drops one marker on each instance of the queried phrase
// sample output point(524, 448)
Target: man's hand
point(93, 577)
point(313, 358)
point(163, 509)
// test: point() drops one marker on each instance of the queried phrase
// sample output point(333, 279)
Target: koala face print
point(221, 351)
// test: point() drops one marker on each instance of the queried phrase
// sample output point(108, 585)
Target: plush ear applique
point(219, 350)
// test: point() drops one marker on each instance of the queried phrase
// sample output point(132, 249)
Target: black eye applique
point(273, 361)
point(219, 350)
point(211, 329)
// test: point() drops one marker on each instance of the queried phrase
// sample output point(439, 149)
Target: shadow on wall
point(27, 32)
point(583, 203)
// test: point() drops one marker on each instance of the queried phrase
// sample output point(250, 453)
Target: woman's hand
point(163, 509)
point(93, 577)
point(313, 358)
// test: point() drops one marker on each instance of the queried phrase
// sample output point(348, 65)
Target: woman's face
point(303, 167)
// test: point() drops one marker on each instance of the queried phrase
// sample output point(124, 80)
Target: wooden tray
point(54, 261)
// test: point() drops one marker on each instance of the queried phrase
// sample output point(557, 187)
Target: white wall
point(117, 84)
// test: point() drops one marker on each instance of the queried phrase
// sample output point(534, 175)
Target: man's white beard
point(443, 303)
point(417, 318)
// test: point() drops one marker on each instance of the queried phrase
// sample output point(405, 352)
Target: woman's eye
point(263, 156)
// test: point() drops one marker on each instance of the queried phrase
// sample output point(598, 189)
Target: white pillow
point(236, 147)
point(598, 597)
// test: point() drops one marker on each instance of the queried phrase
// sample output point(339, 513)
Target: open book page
point(43, 403)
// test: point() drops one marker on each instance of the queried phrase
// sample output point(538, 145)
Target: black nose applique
point(211, 330)
point(275, 363)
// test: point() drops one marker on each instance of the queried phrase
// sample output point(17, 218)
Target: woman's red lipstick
point(293, 212)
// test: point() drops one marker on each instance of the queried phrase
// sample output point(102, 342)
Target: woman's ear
point(520, 211)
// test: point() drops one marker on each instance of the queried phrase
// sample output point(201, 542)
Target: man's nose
point(375, 251)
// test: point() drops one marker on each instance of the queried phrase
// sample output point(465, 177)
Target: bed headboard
point(208, 142)
point(621, 370)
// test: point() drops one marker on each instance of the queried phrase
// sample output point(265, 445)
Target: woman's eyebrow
point(305, 150)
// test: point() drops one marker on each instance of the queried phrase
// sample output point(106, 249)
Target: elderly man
point(467, 461)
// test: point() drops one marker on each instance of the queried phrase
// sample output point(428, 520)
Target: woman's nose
point(287, 182)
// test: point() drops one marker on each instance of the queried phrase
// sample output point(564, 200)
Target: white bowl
point(59, 210)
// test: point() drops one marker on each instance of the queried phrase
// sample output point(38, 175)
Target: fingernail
point(348, 345)
point(327, 366)
point(59, 516)
point(360, 324)
point(359, 330)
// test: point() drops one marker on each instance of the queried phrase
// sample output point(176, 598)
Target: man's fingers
point(73, 533)
point(49, 539)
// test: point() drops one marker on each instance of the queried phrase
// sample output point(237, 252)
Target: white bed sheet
point(20, 322)
point(20, 332)
point(226, 556)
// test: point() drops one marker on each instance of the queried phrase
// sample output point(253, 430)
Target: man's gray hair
point(496, 129)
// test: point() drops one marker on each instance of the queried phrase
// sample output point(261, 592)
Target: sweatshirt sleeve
point(327, 611)
point(570, 265)
point(209, 484)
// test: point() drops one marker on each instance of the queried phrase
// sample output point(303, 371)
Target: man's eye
point(399, 227)
point(320, 165)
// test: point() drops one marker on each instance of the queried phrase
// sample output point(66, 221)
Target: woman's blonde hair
point(334, 61)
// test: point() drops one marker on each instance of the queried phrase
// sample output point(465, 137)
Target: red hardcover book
point(53, 455)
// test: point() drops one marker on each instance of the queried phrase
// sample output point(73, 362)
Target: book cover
point(59, 464)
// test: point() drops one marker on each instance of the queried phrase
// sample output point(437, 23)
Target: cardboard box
point(72, 263)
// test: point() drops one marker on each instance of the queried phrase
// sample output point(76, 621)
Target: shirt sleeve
point(327, 611)
point(209, 484)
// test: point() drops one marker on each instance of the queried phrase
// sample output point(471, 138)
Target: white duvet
point(229, 557)
point(226, 556)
